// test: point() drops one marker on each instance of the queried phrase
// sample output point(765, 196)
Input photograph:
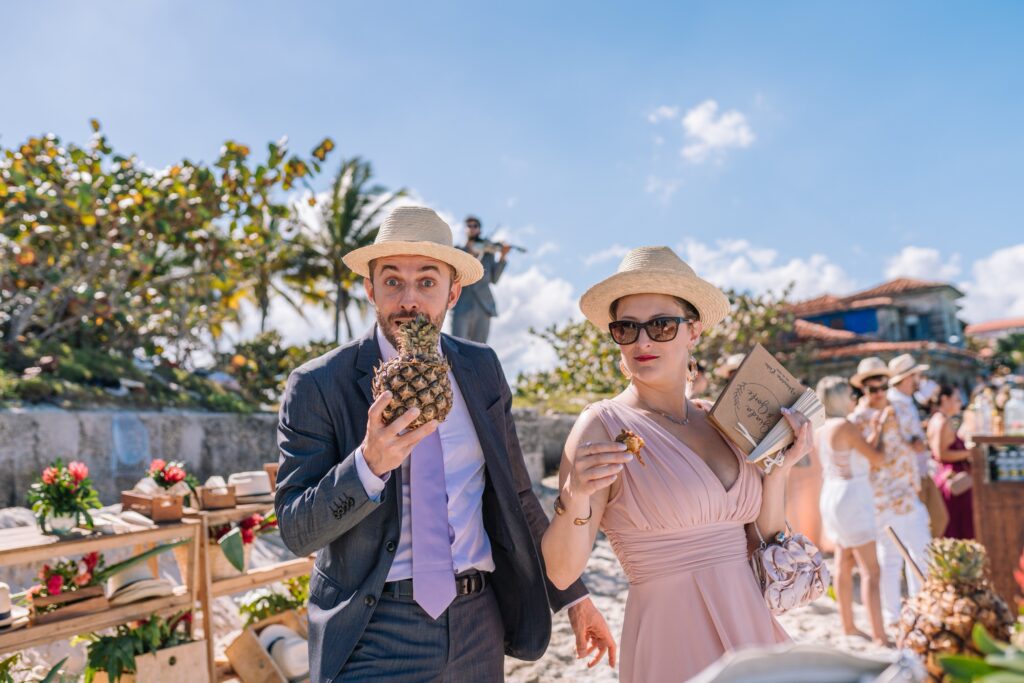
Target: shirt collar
point(895, 394)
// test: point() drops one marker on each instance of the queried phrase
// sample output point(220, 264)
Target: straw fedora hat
point(11, 616)
point(872, 366)
point(654, 270)
point(289, 650)
point(902, 367)
point(416, 231)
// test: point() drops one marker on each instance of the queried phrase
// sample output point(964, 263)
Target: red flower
point(248, 536)
point(251, 521)
point(173, 474)
point(78, 470)
point(54, 584)
point(157, 465)
point(91, 560)
point(44, 571)
point(50, 475)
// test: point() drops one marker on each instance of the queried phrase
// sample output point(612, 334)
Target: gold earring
point(691, 376)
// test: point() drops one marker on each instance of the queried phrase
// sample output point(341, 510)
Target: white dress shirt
point(464, 482)
point(910, 427)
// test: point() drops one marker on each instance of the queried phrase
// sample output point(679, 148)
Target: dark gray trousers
point(471, 323)
point(402, 644)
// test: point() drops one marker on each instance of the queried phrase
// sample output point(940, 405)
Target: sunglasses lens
point(624, 332)
point(662, 329)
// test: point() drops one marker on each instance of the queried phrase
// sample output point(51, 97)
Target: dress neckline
point(689, 452)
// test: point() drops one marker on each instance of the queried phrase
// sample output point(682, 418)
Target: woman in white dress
point(848, 503)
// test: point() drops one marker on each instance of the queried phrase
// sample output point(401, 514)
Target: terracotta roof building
point(900, 316)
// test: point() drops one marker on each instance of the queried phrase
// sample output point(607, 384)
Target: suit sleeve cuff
point(576, 602)
point(372, 484)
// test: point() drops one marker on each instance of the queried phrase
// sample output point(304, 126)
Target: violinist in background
point(471, 317)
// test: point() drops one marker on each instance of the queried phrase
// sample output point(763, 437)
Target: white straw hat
point(416, 231)
point(654, 270)
point(11, 616)
point(288, 649)
point(872, 366)
point(902, 367)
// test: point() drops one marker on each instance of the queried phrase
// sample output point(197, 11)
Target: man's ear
point(453, 293)
point(368, 286)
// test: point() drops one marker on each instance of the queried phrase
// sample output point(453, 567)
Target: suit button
point(390, 546)
point(370, 601)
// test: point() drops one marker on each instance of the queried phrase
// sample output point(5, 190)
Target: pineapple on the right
point(956, 595)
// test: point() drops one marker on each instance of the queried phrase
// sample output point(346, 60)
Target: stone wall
point(118, 445)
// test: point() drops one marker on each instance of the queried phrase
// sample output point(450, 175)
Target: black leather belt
point(465, 584)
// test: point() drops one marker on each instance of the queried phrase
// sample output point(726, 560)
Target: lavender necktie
point(433, 575)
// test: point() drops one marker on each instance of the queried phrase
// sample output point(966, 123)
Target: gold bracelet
point(578, 521)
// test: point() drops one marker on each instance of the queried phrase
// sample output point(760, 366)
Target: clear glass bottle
point(1013, 414)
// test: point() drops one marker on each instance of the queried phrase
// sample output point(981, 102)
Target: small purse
point(791, 572)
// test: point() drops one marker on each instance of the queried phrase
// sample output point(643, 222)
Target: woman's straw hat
point(872, 366)
point(415, 231)
point(902, 367)
point(654, 270)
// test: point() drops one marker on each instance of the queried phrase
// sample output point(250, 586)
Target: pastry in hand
point(633, 444)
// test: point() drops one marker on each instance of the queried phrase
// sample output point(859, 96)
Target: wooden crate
point(253, 664)
point(210, 500)
point(181, 664)
point(998, 516)
point(163, 507)
point(271, 469)
point(71, 604)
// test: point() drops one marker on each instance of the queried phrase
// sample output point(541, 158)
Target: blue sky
point(835, 144)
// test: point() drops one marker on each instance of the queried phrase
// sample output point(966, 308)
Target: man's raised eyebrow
point(430, 267)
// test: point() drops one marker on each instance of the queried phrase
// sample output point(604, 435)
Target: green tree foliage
point(96, 249)
point(262, 365)
point(347, 219)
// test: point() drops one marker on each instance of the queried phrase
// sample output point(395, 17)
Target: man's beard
point(387, 326)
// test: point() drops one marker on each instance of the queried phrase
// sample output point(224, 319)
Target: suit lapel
point(478, 400)
point(368, 358)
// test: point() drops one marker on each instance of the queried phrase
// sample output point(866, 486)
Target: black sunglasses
point(658, 329)
point(874, 390)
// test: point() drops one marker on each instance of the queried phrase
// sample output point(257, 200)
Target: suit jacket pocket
point(325, 593)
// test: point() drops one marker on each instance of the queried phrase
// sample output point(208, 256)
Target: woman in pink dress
point(679, 515)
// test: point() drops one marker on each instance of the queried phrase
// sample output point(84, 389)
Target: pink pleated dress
point(679, 535)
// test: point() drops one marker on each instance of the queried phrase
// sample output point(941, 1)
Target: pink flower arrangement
point(167, 474)
point(63, 490)
point(68, 575)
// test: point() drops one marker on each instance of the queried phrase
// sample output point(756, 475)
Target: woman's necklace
point(671, 418)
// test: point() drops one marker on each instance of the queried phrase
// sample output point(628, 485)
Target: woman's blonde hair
point(834, 392)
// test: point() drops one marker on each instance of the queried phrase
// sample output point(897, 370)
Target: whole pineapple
point(956, 596)
point(418, 377)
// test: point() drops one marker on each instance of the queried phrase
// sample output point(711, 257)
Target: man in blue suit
point(471, 316)
point(427, 566)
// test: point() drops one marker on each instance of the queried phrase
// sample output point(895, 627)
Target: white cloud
point(997, 287)
point(616, 251)
point(709, 132)
point(662, 188)
point(547, 248)
point(738, 264)
point(923, 263)
point(663, 113)
point(524, 300)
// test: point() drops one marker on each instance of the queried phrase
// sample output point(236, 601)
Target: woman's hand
point(595, 467)
point(804, 438)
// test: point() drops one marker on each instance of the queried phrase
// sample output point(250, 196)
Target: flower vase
point(61, 524)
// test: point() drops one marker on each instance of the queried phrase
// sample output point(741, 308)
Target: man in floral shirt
point(895, 486)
